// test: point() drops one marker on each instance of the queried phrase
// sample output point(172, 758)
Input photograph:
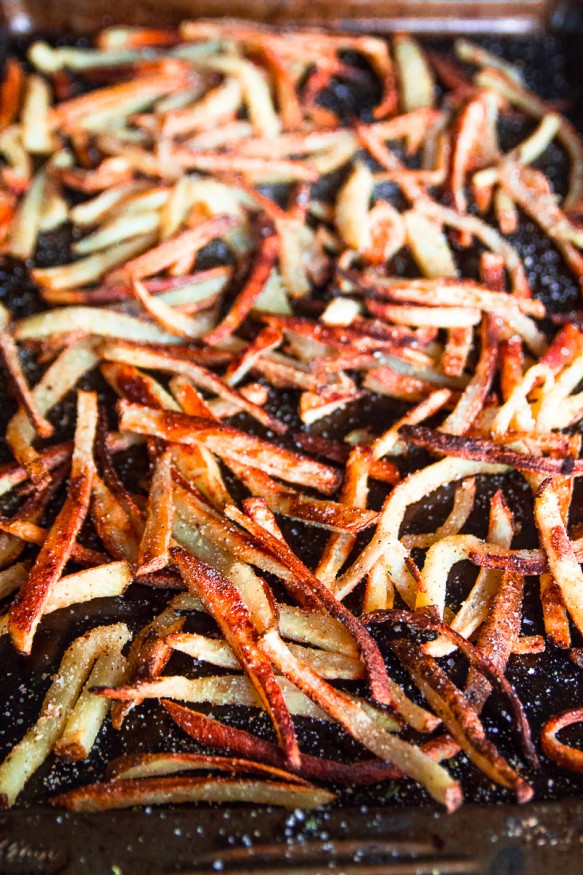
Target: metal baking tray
point(372, 830)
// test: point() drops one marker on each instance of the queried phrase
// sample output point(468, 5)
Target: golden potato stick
point(26, 757)
point(258, 171)
point(147, 657)
point(224, 603)
point(211, 733)
point(555, 615)
point(19, 386)
point(463, 503)
point(354, 493)
point(317, 629)
point(449, 292)
point(92, 268)
point(25, 226)
point(113, 522)
point(414, 76)
point(475, 393)
point(201, 468)
point(352, 205)
point(262, 266)
point(26, 612)
point(153, 554)
point(498, 634)
point(123, 227)
point(12, 578)
point(288, 104)
point(98, 321)
point(86, 718)
point(390, 443)
point(357, 723)
point(220, 690)
point(475, 608)
point(467, 137)
point(565, 755)
point(502, 84)
point(200, 376)
point(457, 350)
point(136, 94)
point(459, 717)
point(182, 790)
point(439, 560)
point(268, 339)
point(229, 442)
point(282, 500)
point(440, 317)
point(54, 385)
point(459, 446)
point(133, 384)
point(256, 91)
point(563, 562)
point(200, 287)
point(10, 91)
point(215, 108)
point(36, 136)
point(476, 659)
point(328, 665)
point(108, 580)
point(414, 488)
point(169, 318)
point(131, 766)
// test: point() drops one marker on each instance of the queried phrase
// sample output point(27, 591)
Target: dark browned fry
point(488, 451)
point(27, 609)
point(237, 742)
point(228, 609)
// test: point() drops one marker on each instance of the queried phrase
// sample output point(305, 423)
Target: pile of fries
point(209, 277)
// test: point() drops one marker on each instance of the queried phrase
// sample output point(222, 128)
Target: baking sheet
point(550, 67)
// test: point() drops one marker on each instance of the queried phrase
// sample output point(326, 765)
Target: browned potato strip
point(180, 790)
point(224, 603)
point(26, 612)
point(153, 553)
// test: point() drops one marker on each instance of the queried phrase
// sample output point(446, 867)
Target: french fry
point(86, 718)
point(27, 611)
point(177, 790)
point(416, 85)
point(210, 732)
point(26, 757)
point(224, 603)
point(564, 755)
point(153, 553)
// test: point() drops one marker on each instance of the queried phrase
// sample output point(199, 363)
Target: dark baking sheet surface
point(497, 839)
